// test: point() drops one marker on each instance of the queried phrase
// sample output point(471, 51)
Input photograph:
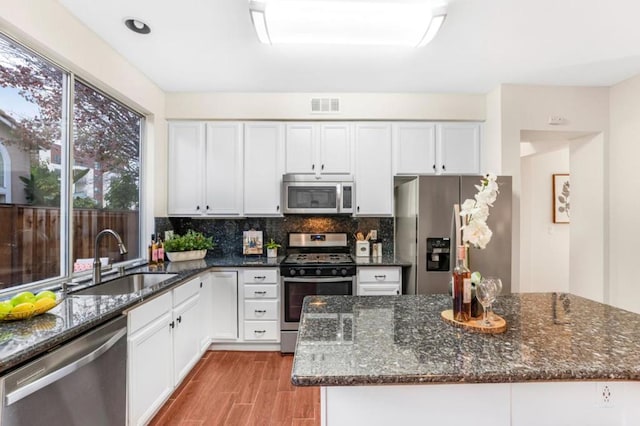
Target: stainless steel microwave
point(312, 194)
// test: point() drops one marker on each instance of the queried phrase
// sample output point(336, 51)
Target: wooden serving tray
point(499, 324)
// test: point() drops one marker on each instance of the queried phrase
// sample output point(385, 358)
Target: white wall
point(297, 106)
point(588, 257)
point(586, 109)
point(624, 194)
point(47, 27)
point(544, 245)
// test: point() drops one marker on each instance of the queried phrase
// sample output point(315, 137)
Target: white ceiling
point(210, 45)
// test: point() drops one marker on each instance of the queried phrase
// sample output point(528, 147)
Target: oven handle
point(319, 279)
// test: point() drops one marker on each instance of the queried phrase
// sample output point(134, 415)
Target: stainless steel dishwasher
point(82, 382)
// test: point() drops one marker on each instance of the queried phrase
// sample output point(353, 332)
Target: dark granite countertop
point(371, 340)
point(21, 341)
point(384, 260)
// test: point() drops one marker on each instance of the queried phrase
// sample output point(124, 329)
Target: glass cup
point(498, 283)
point(486, 292)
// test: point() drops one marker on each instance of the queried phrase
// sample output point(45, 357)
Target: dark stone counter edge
point(26, 355)
point(516, 377)
point(37, 349)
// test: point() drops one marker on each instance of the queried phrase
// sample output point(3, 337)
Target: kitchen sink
point(124, 285)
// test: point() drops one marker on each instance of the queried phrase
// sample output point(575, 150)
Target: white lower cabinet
point(149, 368)
point(163, 344)
point(224, 306)
point(261, 305)
point(245, 308)
point(379, 281)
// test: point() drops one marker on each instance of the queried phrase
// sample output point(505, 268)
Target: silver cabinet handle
point(260, 292)
point(259, 331)
point(260, 277)
point(313, 167)
point(27, 390)
point(259, 311)
point(380, 277)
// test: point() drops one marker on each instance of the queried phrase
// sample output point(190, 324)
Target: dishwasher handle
point(58, 374)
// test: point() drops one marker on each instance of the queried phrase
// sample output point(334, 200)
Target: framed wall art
point(252, 242)
point(561, 198)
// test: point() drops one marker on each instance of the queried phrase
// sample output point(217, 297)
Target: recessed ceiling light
point(137, 26)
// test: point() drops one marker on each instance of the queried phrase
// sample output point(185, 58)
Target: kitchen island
point(382, 360)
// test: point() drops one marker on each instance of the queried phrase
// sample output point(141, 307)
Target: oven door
point(294, 291)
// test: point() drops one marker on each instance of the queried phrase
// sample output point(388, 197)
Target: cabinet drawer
point(379, 289)
point(257, 291)
point(260, 276)
point(185, 291)
point(148, 312)
point(261, 330)
point(379, 275)
point(261, 309)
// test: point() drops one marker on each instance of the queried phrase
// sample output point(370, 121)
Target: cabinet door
point(374, 181)
point(206, 312)
point(186, 337)
point(223, 169)
point(414, 148)
point(186, 168)
point(300, 155)
point(263, 158)
point(459, 148)
point(335, 148)
point(224, 307)
point(149, 369)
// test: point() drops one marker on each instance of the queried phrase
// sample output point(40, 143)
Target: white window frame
point(6, 160)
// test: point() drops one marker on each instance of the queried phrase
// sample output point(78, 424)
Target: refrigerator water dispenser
point(438, 254)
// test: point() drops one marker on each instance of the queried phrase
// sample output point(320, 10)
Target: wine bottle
point(153, 251)
point(461, 288)
point(160, 250)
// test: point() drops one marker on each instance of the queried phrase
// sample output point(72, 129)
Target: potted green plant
point(190, 246)
point(272, 248)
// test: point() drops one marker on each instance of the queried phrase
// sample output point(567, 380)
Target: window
point(59, 198)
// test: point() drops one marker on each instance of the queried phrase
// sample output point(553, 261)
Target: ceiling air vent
point(325, 105)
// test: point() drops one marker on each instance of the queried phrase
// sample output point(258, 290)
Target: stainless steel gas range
point(317, 264)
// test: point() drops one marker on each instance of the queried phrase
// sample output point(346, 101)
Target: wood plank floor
point(241, 388)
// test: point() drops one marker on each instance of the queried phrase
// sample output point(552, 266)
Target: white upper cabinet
point(205, 169)
point(414, 148)
point(313, 148)
point(423, 148)
point(373, 177)
point(223, 169)
point(186, 168)
point(263, 168)
point(458, 150)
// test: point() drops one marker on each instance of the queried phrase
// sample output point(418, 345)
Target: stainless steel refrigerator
point(425, 231)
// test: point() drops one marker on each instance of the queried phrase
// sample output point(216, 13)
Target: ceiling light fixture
point(137, 26)
point(370, 22)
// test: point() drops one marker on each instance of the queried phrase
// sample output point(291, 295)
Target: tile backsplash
point(227, 233)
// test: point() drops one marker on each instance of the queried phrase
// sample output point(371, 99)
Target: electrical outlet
point(604, 395)
point(168, 235)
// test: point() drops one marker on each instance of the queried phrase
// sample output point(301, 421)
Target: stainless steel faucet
point(97, 266)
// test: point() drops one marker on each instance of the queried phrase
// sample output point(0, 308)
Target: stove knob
point(318, 271)
point(343, 272)
point(334, 272)
point(292, 272)
point(302, 272)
